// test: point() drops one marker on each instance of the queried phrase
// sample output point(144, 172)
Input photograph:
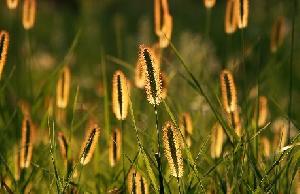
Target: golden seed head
point(242, 12)
point(235, 122)
point(163, 29)
point(217, 136)
point(136, 182)
point(278, 33)
point(26, 142)
point(186, 127)
point(266, 147)
point(63, 88)
point(298, 182)
point(209, 3)
point(29, 12)
point(230, 19)
point(120, 95)
point(280, 128)
point(4, 42)
point(12, 4)
point(263, 111)
point(115, 147)
point(228, 90)
point(89, 144)
point(63, 145)
point(172, 145)
point(152, 75)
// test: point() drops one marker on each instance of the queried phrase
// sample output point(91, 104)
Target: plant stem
point(124, 176)
point(158, 154)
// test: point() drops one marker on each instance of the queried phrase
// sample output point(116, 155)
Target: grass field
point(161, 96)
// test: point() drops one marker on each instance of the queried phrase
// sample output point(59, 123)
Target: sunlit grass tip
point(228, 90)
point(242, 12)
point(89, 144)
point(12, 4)
point(29, 14)
point(120, 95)
point(186, 127)
point(173, 149)
point(152, 72)
point(63, 146)
point(217, 138)
point(26, 142)
point(136, 182)
point(114, 151)
point(63, 88)
point(209, 3)
point(230, 19)
point(4, 43)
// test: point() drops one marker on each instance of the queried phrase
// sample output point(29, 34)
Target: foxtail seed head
point(172, 143)
point(4, 42)
point(136, 182)
point(242, 12)
point(217, 136)
point(120, 95)
point(29, 12)
point(209, 3)
point(228, 90)
point(115, 147)
point(235, 122)
point(89, 144)
point(63, 88)
point(280, 128)
point(12, 4)
point(266, 147)
point(26, 142)
point(263, 110)
point(163, 29)
point(230, 17)
point(278, 33)
point(152, 75)
point(63, 146)
point(186, 127)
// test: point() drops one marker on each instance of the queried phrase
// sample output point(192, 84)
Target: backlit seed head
point(172, 146)
point(63, 146)
point(26, 142)
point(242, 12)
point(278, 34)
point(115, 147)
point(280, 128)
point(229, 96)
point(230, 19)
point(152, 75)
point(63, 88)
point(186, 127)
point(217, 137)
point(29, 12)
point(163, 29)
point(209, 3)
point(266, 147)
point(136, 182)
point(4, 42)
point(89, 144)
point(263, 111)
point(12, 4)
point(298, 182)
point(120, 95)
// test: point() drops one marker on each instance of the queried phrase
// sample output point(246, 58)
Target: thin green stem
point(158, 154)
